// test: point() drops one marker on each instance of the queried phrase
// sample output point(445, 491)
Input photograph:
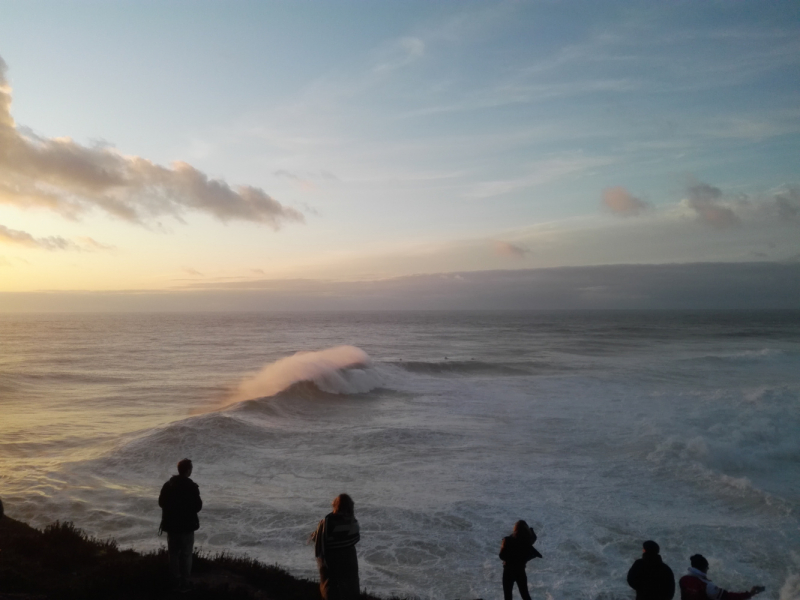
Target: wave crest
point(339, 370)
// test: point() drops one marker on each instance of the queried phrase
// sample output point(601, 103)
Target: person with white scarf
point(697, 586)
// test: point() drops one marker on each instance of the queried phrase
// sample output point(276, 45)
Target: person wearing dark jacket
point(180, 502)
point(515, 552)
point(697, 586)
point(650, 576)
point(335, 542)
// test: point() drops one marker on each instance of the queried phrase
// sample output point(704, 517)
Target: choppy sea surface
point(600, 429)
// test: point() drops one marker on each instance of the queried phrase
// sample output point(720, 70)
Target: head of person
point(699, 562)
point(521, 530)
point(650, 548)
point(343, 505)
point(185, 467)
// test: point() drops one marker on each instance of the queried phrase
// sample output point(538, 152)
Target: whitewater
point(601, 429)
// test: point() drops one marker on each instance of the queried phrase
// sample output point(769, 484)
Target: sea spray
point(325, 368)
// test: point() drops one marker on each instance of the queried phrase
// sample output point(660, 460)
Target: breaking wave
point(742, 356)
point(339, 370)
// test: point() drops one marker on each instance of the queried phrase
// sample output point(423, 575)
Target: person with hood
point(335, 542)
point(650, 576)
point(180, 502)
point(697, 586)
point(515, 552)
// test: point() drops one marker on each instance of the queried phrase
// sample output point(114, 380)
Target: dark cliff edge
point(62, 562)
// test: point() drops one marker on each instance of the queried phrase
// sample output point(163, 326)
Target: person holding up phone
point(697, 586)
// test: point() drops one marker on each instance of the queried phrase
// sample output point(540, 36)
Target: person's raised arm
point(715, 593)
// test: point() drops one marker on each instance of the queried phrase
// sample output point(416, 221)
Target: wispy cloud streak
point(23, 238)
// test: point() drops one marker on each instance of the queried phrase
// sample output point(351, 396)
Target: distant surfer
point(697, 586)
point(515, 552)
point(180, 502)
point(650, 576)
point(335, 549)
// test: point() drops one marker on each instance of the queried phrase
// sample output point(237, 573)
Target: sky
point(157, 148)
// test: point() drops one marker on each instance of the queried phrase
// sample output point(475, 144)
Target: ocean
point(601, 429)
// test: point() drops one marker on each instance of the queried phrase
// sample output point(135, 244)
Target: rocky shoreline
point(62, 562)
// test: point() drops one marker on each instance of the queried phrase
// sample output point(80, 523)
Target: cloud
point(303, 182)
point(705, 201)
point(509, 250)
point(620, 202)
point(540, 172)
point(329, 176)
point(307, 181)
point(752, 285)
point(191, 271)
point(288, 174)
point(23, 238)
point(405, 51)
point(621, 286)
point(68, 178)
point(91, 244)
point(788, 203)
point(52, 243)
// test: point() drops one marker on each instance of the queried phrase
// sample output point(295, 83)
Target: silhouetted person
point(515, 552)
point(697, 586)
point(180, 502)
point(650, 576)
point(335, 548)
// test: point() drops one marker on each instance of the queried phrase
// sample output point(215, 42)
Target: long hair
point(522, 531)
point(343, 504)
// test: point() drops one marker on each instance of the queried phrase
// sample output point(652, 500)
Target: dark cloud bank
point(675, 286)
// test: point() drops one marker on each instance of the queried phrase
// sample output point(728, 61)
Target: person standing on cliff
point(180, 502)
point(335, 549)
point(697, 586)
point(515, 552)
point(650, 576)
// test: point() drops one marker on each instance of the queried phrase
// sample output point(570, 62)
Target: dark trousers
point(180, 547)
point(518, 576)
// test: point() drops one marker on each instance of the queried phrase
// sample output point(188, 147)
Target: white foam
point(791, 588)
point(597, 454)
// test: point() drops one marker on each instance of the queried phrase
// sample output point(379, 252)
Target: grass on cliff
point(62, 562)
